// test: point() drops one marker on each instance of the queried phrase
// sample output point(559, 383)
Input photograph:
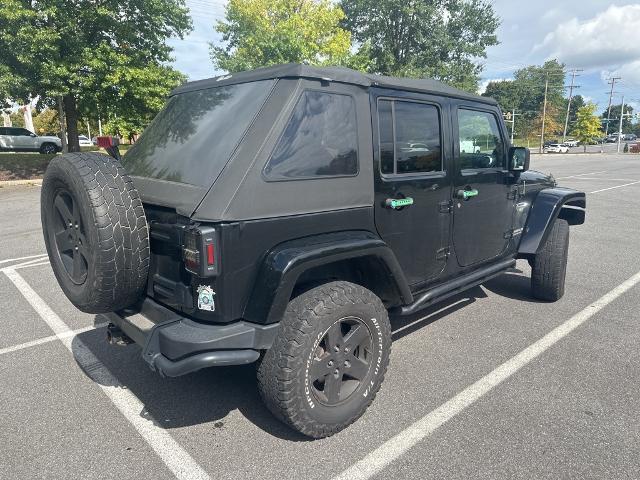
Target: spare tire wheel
point(95, 231)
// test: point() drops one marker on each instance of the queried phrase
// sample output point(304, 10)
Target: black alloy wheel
point(70, 238)
point(328, 360)
point(48, 148)
point(342, 361)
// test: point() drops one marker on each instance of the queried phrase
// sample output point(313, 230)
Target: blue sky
point(600, 37)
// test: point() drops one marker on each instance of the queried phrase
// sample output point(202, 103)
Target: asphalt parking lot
point(488, 384)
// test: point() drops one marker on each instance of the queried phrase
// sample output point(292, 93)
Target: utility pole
point(622, 115)
point(574, 74)
point(510, 117)
point(544, 110)
point(612, 82)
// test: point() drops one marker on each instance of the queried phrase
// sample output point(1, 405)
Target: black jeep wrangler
point(277, 216)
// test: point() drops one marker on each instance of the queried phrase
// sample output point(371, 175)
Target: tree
point(614, 119)
point(90, 53)
point(552, 126)
point(442, 39)
point(46, 121)
point(577, 102)
point(259, 33)
point(525, 94)
point(587, 127)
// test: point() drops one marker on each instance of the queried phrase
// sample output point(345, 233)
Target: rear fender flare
point(549, 204)
point(284, 264)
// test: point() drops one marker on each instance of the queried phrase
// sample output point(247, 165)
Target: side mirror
point(33, 135)
point(519, 158)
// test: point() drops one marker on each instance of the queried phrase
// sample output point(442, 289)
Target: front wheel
point(549, 266)
point(329, 359)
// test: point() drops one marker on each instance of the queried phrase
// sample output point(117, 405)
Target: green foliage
point(17, 119)
point(614, 122)
point(525, 94)
point(110, 53)
point(46, 121)
point(587, 127)
point(259, 33)
point(441, 39)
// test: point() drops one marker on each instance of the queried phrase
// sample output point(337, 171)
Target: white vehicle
point(555, 148)
point(571, 143)
point(15, 139)
point(85, 141)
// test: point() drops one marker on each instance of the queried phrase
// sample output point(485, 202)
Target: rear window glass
point(320, 139)
point(409, 137)
point(193, 137)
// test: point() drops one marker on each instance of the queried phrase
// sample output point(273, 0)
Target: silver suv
point(17, 139)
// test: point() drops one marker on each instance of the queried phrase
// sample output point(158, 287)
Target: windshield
point(193, 137)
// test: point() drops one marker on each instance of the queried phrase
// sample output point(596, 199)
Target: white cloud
point(483, 85)
point(609, 39)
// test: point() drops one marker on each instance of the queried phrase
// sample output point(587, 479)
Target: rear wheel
point(48, 148)
point(329, 359)
point(549, 266)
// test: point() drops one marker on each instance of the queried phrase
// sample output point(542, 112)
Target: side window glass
point(481, 144)
point(320, 139)
point(3, 131)
point(409, 135)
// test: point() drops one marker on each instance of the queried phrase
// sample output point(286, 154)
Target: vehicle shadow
point(203, 398)
point(402, 326)
point(207, 397)
point(514, 284)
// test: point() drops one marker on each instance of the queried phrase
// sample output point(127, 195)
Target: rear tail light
point(199, 251)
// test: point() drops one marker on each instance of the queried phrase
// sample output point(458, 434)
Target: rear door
point(483, 192)
point(412, 183)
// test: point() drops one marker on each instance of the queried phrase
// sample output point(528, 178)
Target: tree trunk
point(63, 127)
point(71, 114)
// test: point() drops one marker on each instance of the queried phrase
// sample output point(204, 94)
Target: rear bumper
point(174, 345)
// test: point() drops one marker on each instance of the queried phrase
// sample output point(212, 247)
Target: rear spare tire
point(95, 231)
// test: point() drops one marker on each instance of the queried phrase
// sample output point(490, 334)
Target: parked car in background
point(16, 139)
point(629, 137)
point(556, 148)
point(571, 143)
point(613, 138)
point(84, 141)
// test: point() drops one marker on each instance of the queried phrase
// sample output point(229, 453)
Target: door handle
point(467, 194)
point(398, 203)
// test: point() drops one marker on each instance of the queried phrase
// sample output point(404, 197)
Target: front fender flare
point(549, 204)
point(285, 263)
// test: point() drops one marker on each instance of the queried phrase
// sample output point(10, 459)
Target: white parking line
point(9, 260)
point(581, 175)
point(51, 338)
point(170, 452)
point(392, 449)
point(618, 186)
point(610, 179)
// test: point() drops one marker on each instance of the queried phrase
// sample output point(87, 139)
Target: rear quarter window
point(320, 139)
point(194, 136)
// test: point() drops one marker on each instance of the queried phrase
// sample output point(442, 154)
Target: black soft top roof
point(334, 74)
